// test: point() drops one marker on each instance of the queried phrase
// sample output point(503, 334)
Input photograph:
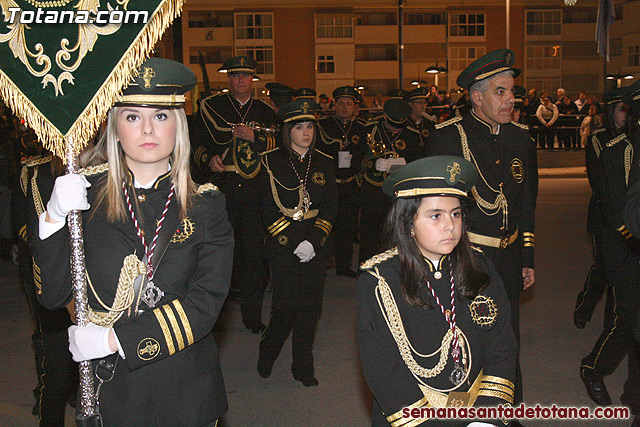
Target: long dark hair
point(469, 279)
point(286, 135)
point(609, 111)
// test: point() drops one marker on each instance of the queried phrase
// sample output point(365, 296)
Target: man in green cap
point(502, 218)
point(226, 144)
point(391, 144)
point(419, 119)
point(344, 137)
point(610, 171)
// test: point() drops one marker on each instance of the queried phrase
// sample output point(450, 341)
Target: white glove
point(305, 251)
point(69, 193)
point(382, 165)
point(89, 342)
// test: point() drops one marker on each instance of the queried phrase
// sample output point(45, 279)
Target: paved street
point(551, 346)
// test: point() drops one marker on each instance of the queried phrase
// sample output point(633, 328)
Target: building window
point(381, 52)
point(263, 56)
point(252, 26)
point(466, 25)
point(461, 57)
point(544, 22)
point(549, 85)
point(424, 18)
point(210, 18)
point(634, 56)
point(377, 18)
point(540, 57)
point(326, 64)
point(334, 27)
point(211, 54)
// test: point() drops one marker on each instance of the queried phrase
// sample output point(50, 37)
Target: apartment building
point(328, 43)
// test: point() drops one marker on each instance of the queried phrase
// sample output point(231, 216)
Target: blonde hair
point(109, 150)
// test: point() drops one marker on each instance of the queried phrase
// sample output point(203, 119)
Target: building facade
point(327, 43)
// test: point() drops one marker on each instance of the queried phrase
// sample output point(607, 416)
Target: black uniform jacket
point(352, 137)
point(382, 144)
point(211, 133)
point(505, 161)
point(285, 233)
point(171, 374)
point(485, 322)
point(595, 219)
point(610, 175)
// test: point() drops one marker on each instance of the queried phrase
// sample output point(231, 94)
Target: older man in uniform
point(228, 138)
point(344, 137)
point(502, 218)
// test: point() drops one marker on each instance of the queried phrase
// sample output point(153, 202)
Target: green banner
point(64, 62)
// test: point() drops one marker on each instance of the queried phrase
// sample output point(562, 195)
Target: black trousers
point(547, 135)
point(57, 372)
point(296, 305)
point(346, 225)
point(250, 271)
point(375, 206)
point(508, 263)
point(617, 337)
point(595, 284)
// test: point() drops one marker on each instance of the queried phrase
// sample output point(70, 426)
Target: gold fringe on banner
point(88, 122)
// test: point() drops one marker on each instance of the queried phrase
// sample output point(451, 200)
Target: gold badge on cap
point(483, 311)
point(454, 169)
point(148, 348)
point(517, 170)
point(149, 73)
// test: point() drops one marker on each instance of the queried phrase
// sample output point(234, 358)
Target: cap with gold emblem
point(160, 82)
point(432, 176)
point(278, 89)
point(305, 93)
point(633, 93)
point(519, 93)
point(397, 94)
point(239, 64)
point(488, 65)
point(300, 110)
point(346, 91)
point(418, 93)
point(616, 95)
point(396, 110)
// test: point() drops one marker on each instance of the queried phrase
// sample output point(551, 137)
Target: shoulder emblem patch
point(148, 348)
point(184, 231)
point(483, 311)
point(319, 178)
point(517, 170)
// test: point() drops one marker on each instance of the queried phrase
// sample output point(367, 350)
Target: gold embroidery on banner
point(517, 170)
point(185, 321)
point(148, 348)
point(184, 231)
point(174, 326)
point(319, 178)
point(483, 310)
point(87, 35)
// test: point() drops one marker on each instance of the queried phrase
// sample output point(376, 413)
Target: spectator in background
point(377, 101)
point(582, 98)
point(560, 95)
point(324, 102)
point(567, 137)
point(530, 107)
point(547, 115)
point(463, 104)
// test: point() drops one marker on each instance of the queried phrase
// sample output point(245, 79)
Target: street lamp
point(619, 77)
point(434, 69)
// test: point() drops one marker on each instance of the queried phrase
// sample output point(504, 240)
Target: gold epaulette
point(448, 122)
point(94, 170)
point(377, 259)
point(324, 154)
point(208, 188)
point(37, 160)
point(617, 139)
point(521, 126)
